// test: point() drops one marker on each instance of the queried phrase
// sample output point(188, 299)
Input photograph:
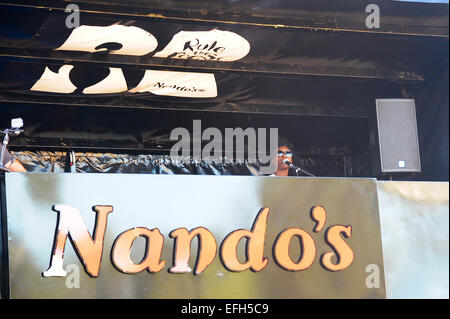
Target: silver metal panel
point(222, 204)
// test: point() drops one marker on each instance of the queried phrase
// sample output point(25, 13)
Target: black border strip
point(4, 253)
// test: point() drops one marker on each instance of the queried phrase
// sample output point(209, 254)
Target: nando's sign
point(183, 236)
point(90, 249)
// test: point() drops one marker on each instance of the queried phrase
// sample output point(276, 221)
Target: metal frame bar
point(4, 253)
point(319, 23)
point(264, 69)
point(263, 109)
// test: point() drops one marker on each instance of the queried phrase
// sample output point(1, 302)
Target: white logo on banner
point(214, 45)
point(55, 82)
point(132, 40)
point(60, 82)
point(182, 84)
point(115, 82)
point(168, 83)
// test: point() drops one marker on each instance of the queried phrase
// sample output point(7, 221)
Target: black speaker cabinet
point(394, 137)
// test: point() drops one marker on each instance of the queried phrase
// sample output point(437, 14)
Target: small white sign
point(182, 84)
point(214, 45)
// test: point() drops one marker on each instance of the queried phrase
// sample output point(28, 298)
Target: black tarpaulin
point(60, 162)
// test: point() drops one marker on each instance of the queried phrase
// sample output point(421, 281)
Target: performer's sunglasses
point(281, 153)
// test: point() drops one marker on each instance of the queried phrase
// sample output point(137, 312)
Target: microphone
point(297, 169)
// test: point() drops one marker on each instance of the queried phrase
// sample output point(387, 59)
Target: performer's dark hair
point(283, 141)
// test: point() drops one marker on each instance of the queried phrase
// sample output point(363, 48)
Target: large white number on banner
point(114, 83)
point(183, 84)
point(167, 83)
point(55, 82)
point(60, 82)
point(133, 40)
point(214, 45)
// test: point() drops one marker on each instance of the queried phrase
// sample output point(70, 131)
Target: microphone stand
point(15, 131)
point(297, 169)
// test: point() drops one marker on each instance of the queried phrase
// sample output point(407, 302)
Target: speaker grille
point(397, 135)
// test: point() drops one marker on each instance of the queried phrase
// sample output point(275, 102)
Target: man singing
point(284, 151)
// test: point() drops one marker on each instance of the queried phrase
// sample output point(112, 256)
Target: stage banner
point(175, 236)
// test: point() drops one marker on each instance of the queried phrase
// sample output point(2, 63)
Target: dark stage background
point(313, 71)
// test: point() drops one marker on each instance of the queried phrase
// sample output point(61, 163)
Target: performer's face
point(283, 153)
